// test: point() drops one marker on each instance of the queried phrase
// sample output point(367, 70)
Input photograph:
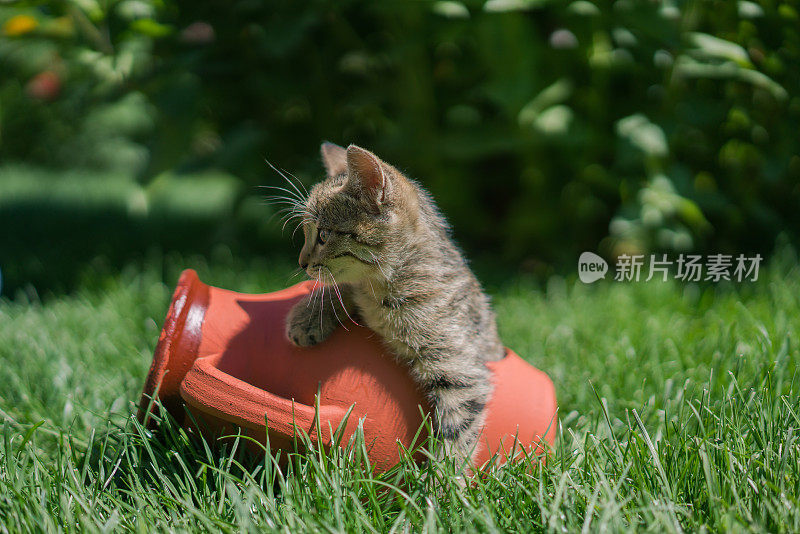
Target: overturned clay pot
point(225, 357)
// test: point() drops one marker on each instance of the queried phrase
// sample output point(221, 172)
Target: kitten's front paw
point(307, 325)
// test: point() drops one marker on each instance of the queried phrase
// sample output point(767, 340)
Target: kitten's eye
point(323, 236)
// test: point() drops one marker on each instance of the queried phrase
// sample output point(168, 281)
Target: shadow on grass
point(164, 457)
point(167, 465)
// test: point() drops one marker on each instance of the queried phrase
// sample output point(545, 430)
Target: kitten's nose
point(303, 265)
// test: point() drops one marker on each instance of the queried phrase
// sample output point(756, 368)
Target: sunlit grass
point(677, 403)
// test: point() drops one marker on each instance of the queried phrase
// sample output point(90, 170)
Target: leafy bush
point(542, 127)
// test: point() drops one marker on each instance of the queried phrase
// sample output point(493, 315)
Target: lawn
point(678, 411)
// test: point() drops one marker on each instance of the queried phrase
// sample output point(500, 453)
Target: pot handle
point(223, 396)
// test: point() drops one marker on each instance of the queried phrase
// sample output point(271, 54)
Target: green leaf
point(91, 8)
point(750, 10)
point(691, 68)
point(555, 120)
point(643, 134)
point(553, 94)
point(715, 47)
point(135, 9)
point(584, 8)
point(28, 435)
point(151, 28)
point(502, 6)
point(451, 10)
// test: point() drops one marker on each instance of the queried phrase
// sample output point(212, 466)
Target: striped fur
point(382, 255)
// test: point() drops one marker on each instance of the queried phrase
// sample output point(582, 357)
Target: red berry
point(44, 86)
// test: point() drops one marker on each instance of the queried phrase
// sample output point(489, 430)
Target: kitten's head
point(357, 219)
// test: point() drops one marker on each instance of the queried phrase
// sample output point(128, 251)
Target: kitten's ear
point(366, 174)
point(334, 158)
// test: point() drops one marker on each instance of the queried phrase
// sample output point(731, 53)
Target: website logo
point(591, 267)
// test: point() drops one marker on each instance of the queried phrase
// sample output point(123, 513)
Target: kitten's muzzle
point(313, 271)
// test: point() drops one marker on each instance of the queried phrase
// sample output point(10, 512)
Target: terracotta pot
point(224, 355)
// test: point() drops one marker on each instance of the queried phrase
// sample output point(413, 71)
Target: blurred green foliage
point(542, 127)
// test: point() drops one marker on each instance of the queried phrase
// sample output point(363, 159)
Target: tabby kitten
point(382, 251)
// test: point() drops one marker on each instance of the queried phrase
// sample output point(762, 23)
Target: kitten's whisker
point(378, 265)
point(283, 193)
point(290, 210)
point(289, 192)
point(288, 214)
point(313, 292)
point(294, 200)
point(276, 200)
point(286, 178)
point(304, 219)
point(287, 220)
point(296, 228)
point(341, 301)
point(372, 288)
point(333, 304)
point(295, 272)
point(287, 206)
point(282, 217)
point(283, 226)
point(320, 290)
point(270, 186)
point(298, 180)
point(293, 182)
point(321, 303)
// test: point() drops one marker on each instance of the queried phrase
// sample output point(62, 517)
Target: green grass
point(677, 403)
